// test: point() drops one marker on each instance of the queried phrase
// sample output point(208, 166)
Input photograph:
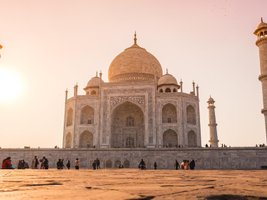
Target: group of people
point(44, 164)
point(6, 164)
point(186, 164)
point(60, 164)
point(96, 164)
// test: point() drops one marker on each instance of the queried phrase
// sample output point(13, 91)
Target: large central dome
point(134, 64)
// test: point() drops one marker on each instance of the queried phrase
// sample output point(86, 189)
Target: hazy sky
point(52, 44)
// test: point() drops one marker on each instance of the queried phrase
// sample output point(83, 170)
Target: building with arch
point(139, 107)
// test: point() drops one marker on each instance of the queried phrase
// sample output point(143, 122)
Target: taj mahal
point(143, 113)
point(140, 107)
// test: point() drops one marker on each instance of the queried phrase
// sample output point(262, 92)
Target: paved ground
point(132, 184)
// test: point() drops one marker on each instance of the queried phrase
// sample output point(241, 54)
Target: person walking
point(68, 164)
point(155, 165)
point(177, 166)
point(192, 165)
point(35, 162)
point(77, 163)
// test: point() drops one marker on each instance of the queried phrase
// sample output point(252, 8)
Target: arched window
point(69, 117)
point(68, 140)
point(167, 90)
point(108, 164)
point(265, 32)
point(93, 92)
point(87, 115)
point(191, 115)
point(169, 114)
point(126, 164)
point(117, 163)
point(174, 90)
point(192, 139)
point(86, 140)
point(161, 90)
point(129, 121)
point(129, 142)
point(170, 138)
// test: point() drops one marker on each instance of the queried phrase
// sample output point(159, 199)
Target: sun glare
point(10, 85)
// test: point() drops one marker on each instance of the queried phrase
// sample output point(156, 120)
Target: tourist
point(68, 164)
point(45, 162)
point(192, 165)
point(142, 164)
point(177, 166)
point(6, 164)
point(22, 164)
point(155, 165)
point(97, 163)
point(35, 162)
point(94, 165)
point(77, 163)
point(184, 164)
point(60, 164)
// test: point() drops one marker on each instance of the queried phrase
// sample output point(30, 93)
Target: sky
point(49, 46)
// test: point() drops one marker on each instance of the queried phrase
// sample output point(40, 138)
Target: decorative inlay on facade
point(115, 100)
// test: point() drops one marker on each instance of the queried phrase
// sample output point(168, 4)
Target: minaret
point(261, 42)
point(76, 90)
point(212, 123)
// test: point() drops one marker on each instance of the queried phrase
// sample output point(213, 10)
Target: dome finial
point(135, 39)
point(166, 70)
point(261, 20)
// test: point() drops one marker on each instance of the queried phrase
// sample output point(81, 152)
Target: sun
point(11, 85)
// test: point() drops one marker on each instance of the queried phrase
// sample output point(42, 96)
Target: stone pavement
point(131, 184)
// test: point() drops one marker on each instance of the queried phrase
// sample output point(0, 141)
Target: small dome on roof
point(167, 79)
point(261, 26)
point(210, 100)
point(94, 82)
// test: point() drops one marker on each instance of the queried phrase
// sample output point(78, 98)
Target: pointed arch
point(126, 164)
point(170, 138)
point(87, 115)
point(93, 92)
point(192, 139)
point(68, 140)
point(117, 163)
point(69, 117)
point(108, 164)
point(191, 115)
point(127, 131)
point(169, 114)
point(167, 90)
point(86, 140)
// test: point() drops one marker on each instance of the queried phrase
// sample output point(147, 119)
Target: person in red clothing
point(6, 164)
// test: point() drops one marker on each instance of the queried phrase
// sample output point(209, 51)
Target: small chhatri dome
point(94, 82)
point(167, 79)
point(261, 26)
point(210, 100)
point(134, 64)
